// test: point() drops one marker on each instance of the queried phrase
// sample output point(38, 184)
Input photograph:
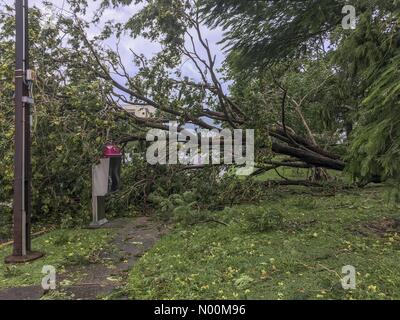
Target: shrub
point(262, 219)
point(305, 203)
point(180, 208)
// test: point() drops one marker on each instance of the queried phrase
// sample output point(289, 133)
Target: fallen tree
point(189, 102)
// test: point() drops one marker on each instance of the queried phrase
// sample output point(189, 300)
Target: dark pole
point(28, 165)
point(22, 160)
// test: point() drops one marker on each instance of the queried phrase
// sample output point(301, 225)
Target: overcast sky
point(139, 45)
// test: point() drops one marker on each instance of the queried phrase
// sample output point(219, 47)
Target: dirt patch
point(379, 227)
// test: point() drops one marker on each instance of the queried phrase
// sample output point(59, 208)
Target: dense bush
point(179, 208)
point(204, 195)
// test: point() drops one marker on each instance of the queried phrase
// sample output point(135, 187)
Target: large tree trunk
point(309, 157)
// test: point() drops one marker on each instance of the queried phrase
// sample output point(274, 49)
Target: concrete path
point(133, 238)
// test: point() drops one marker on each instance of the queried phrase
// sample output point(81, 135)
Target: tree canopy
point(318, 96)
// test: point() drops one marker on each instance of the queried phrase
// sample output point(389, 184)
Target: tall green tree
point(364, 61)
point(69, 128)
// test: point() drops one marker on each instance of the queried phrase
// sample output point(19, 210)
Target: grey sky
point(139, 45)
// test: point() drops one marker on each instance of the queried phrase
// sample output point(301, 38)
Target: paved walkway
point(134, 237)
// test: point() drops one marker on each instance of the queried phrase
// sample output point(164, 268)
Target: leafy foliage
point(340, 93)
point(376, 148)
point(264, 31)
point(358, 103)
point(70, 126)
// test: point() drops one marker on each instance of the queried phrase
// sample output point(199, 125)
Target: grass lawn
point(302, 259)
point(62, 248)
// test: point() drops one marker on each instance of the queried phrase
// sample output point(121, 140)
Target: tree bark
point(309, 157)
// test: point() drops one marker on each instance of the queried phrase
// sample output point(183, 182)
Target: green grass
point(302, 259)
point(287, 172)
point(298, 174)
point(62, 248)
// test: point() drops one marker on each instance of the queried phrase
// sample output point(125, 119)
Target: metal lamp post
point(22, 161)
